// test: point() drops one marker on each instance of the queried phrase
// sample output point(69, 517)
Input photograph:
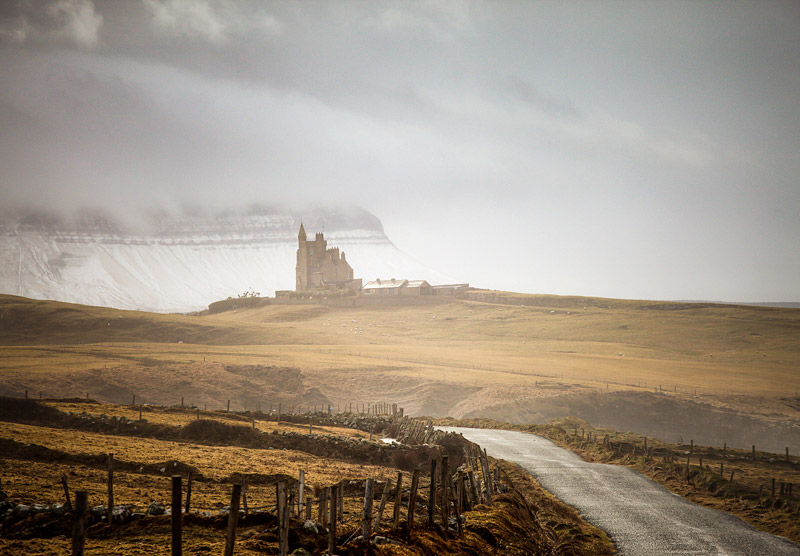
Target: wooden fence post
point(487, 479)
point(67, 501)
point(301, 487)
point(233, 518)
point(445, 502)
point(176, 516)
point(188, 492)
point(110, 515)
point(432, 494)
point(244, 496)
point(460, 492)
point(340, 505)
point(455, 506)
point(283, 518)
point(332, 525)
point(284, 533)
point(473, 488)
point(398, 501)
point(384, 497)
point(323, 505)
point(229, 406)
point(79, 523)
point(754, 452)
point(490, 484)
point(412, 499)
point(366, 528)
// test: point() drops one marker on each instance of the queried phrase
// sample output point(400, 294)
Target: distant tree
point(249, 293)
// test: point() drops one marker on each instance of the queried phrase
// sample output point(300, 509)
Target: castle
point(320, 267)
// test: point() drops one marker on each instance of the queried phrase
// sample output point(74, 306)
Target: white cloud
point(188, 17)
point(81, 21)
point(441, 19)
point(72, 20)
point(16, 30)
point(211, 20)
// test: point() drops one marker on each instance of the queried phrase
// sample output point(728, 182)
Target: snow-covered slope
point(184, 264)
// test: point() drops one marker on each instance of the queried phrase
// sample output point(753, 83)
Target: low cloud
point(213, 21)
point(74, 21)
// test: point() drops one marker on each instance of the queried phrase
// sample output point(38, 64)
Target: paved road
point(642, 517)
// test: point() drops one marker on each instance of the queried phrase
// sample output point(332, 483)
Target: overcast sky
point(620, 149)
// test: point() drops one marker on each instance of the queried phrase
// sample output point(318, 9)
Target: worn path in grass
point(642, 517)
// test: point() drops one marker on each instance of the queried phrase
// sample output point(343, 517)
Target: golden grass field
point(497, 355)
point(144, 465)
point(461, 358)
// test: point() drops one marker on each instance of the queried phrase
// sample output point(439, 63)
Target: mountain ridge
point(181, 264)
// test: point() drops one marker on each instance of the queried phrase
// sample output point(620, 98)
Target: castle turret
point(320, 267)
point(302, 269)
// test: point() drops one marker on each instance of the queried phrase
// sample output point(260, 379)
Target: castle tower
point(320, 267)
point(302, 270)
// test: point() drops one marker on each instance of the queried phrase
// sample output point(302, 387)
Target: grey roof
point(384, 284)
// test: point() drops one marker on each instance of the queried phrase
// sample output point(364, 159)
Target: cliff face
point(183, 264)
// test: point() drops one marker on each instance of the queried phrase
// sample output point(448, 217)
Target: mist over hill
point(166, 263)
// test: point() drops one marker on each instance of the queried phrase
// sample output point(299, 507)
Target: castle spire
point(302, 235)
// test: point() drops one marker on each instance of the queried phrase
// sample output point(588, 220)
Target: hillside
point(180, 264)
point(49, 444)
point(715, 373)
